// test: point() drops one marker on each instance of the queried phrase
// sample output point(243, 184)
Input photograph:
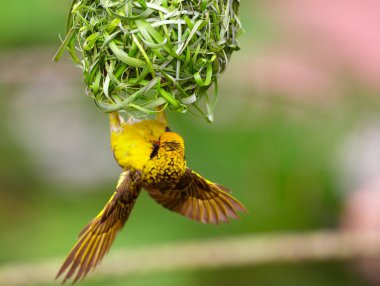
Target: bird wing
point(96, 238)
point(199, 199)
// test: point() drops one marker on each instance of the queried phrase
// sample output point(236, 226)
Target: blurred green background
point(278, 150)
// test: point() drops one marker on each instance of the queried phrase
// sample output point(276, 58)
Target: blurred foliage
point(32, 22)
point(274, 153)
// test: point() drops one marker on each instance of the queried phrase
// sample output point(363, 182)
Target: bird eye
point(167, 129)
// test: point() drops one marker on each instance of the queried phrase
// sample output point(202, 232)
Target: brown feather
point(96, 238)
point(199, 199)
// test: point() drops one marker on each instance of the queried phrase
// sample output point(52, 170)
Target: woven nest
point(144, 56)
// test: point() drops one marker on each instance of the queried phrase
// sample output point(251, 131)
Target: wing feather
point(96, 238)
point(199, 199)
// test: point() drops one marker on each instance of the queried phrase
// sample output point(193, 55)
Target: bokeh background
point(296, 137)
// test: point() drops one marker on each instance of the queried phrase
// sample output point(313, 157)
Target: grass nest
point(141, 57)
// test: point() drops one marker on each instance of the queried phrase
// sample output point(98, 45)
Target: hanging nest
point(143, 56)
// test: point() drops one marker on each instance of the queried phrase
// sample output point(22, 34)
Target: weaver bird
point(153, 158)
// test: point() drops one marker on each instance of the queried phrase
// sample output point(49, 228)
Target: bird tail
point(96, 238)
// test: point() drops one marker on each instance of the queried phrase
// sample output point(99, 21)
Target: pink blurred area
point(362, 209)
point(362, 214)
point(321, 45)
point(360, 170)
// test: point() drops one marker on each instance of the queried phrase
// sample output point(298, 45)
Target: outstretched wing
point(199, 199)
point(96, 238)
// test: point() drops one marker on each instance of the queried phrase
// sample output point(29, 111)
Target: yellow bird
point(153, 158)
